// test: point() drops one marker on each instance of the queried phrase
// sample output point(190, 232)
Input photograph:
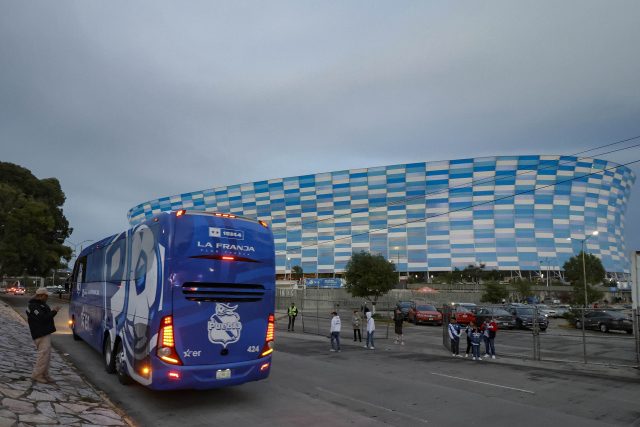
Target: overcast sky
point(125, 101)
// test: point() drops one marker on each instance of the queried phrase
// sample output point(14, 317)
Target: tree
point(523, 288)
point(297, 273)
point(494, 293)
point(369, 276)
point(33, 227)
point(574, 273)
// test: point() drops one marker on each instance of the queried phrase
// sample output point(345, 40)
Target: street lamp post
point(584, 279)
point(288, 263)
point(397, 249)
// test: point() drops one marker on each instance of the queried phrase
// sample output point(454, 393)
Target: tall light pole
point(285, 269)
point(397, 249)
point(584, 278)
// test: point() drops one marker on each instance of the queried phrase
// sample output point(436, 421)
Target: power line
point(487, 180)
point(462, 208)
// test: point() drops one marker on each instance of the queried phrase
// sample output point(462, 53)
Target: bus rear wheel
point(121, 365)
point(109, 359)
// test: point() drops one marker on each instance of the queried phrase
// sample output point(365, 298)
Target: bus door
point(223, 288)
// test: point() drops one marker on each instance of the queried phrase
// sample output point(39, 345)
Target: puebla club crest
point(224, 326)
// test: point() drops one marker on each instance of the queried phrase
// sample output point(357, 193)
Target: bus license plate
point(223, 374)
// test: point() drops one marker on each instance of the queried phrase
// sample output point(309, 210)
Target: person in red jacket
point(490, 330)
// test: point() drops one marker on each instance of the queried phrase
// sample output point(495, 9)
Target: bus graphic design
point(224, 326)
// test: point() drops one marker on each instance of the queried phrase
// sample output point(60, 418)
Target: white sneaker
point(466, 355)
point(453, 354)
point(365, 346)
point(493, 357)
point(479, 359)
point(486, 355)
point(332, 350)
point(372, 348)
point(474, 358)
point(402, 343)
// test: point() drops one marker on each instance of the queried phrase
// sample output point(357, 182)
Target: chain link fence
point(601, 336)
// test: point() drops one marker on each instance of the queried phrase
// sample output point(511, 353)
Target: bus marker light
point(174, 375)
point(228, 258)
point(145, 371)
point(264, 224)
point(181, 212)
point(264, 367)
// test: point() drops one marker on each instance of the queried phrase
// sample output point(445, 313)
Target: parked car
point(524, 314)
point(59, 290)
point(605, 321)
point(404, 307)
point(545, 310)
point(504, 319)
point(560, 311)
point(425, 313)
point(464, 312)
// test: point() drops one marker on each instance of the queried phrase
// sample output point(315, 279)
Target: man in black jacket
point(41, 324)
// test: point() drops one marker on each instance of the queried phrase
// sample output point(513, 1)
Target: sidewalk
point(71, 401)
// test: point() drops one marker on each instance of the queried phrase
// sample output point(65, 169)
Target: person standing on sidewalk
point(336, 326)
point(371, 328)
point(41, 326)
point(491, 330)
point(398, 320)
point(355, 322)
point(468, 330)
point(454, 336)
point(476, 337)
point(293, 313)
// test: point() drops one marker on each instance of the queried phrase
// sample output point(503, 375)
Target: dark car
point(404, 307)
point(524, 313)
point(605, 321)
point(504, 319)
point(425, 313)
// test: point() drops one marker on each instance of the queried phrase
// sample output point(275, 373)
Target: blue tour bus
point(184, 300)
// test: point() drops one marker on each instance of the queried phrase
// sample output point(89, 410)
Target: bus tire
point(121, 365)
point(108, 355)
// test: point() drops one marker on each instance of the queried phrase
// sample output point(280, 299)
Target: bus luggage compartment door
point(218, 323)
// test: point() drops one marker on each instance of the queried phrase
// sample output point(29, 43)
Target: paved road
point(415, 384)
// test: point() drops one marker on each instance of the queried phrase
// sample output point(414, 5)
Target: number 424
point(253, 349)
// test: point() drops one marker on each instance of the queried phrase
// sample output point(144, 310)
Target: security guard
point(292, 312)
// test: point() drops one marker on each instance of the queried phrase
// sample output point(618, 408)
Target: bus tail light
point(267, 349)
point(174, 375)
point(166, 344)
point(181, 212)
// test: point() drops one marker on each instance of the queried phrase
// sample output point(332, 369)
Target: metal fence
point(315, 308)
point(569, 339)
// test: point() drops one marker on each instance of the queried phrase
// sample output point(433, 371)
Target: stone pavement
point(71, 401)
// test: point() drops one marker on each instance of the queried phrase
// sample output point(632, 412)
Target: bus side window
point(79, 274)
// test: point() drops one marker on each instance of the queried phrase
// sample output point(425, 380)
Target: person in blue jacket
point(454, 336)
point(476, 337)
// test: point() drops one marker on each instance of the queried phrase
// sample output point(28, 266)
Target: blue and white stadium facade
point(511, 213)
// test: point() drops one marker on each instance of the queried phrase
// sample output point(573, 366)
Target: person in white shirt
point(336, 326)
point(371, 328)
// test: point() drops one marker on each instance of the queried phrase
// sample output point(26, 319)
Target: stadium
point(510, 213)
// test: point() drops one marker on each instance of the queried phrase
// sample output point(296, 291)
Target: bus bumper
point(200, 377)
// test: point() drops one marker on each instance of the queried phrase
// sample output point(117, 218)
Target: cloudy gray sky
point(129, 101)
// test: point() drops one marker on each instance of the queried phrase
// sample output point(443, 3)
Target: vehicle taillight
point(181, 212)
point(267, 349)
point(166, 344)
point(228, 258)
